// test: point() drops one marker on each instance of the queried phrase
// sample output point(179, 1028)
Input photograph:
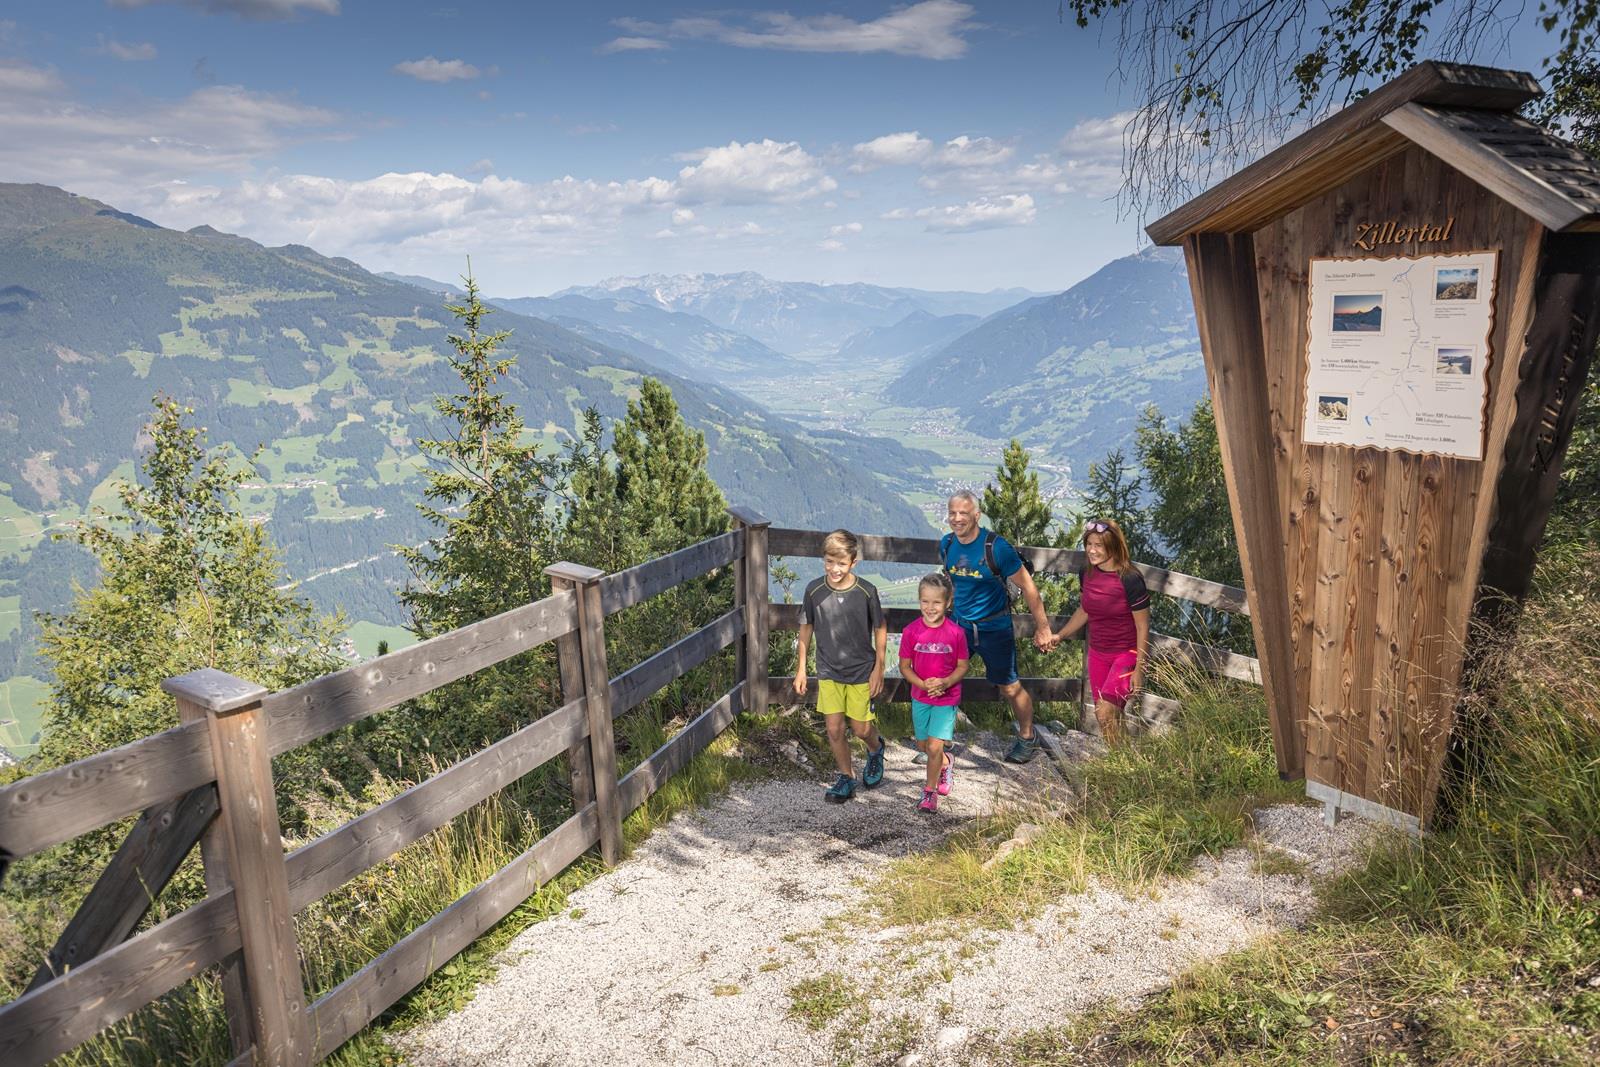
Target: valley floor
point(742, 933)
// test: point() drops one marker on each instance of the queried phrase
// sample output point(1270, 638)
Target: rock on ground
point(690, 951)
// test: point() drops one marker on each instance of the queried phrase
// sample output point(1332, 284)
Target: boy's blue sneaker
point(842, 789)
point(873, 774)
point(1023, 749)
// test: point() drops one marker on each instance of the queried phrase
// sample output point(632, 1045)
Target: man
point(979, 565)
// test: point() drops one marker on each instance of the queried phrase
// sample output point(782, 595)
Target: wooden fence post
point(251, 859)
point(585, 582)
point(569, 655)
point(756, 596)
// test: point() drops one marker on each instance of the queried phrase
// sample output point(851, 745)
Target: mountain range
point(331, 370)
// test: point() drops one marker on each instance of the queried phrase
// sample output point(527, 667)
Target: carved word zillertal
point(1369, 235)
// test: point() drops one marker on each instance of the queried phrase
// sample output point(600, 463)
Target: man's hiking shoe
point(842, 789)
point(872, 775)
point(944, 776)
point(920, 759)
point(930, 802)
point(1023, 749)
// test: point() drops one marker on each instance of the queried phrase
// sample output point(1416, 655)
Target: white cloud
point(19, 77)
point(765, 171)
point(892, 149)
point(682, 217)
point(262, 10)
point(984, 213)
point(844, 228)
point(126, 51)
point(932, 29)
point(105, 152)
point(633, 44)
point(429, 69)
point(967, 152)
point(831, 245)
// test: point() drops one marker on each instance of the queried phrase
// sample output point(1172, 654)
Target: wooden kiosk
point(1397, 310)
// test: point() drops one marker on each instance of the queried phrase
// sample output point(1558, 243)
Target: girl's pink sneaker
point(930, 801)
point(944, 776)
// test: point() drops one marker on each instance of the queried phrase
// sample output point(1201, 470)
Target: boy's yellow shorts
point(854, 701)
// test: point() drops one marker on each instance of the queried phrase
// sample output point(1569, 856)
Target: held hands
point(1046, 640)
point(935, 687)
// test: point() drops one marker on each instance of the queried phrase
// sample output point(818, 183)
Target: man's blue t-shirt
point(978, 594)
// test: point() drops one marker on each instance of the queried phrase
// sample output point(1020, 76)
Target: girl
point(1116, 604)
point(933, 660)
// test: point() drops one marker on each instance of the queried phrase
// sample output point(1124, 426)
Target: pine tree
point(487, 490)
point(667, 497)
point(185, 582)
point(492, 496)
point(1013, 504)
point(1189, 510)
point(1115, 491)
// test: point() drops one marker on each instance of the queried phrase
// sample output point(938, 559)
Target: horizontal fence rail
point(186, 788)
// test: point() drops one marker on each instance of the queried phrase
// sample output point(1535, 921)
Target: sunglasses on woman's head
point(1096, 526)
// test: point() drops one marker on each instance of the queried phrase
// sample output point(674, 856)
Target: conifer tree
point(666, 495)
point(1013, 504)
point(1115, 491)
point(186, 582)
point(487, 491)
point(1189, 496)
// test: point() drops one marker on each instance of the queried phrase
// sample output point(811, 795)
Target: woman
point(1116, 606)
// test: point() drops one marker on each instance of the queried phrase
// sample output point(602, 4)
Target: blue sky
point(940, 144)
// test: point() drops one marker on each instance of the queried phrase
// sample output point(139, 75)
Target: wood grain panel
point(653, 577)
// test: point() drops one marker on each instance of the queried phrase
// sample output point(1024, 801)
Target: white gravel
point(688, 951)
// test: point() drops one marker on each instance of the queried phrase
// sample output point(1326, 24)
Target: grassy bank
point(1478, 945)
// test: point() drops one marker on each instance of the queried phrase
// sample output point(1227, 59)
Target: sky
point(939, 144)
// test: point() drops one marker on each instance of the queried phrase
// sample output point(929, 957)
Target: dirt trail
point(725, 933)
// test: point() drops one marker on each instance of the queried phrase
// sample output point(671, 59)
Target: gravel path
point(688, 953)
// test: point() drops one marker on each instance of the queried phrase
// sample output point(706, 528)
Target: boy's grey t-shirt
point(844, 621)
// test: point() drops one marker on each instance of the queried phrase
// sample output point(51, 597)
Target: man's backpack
point(1008, 589)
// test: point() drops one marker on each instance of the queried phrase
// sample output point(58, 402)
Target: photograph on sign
point(1397, 352)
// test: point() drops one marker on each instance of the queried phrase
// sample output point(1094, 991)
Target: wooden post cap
point(574, 572)
point(216, 691)
point(748, 516)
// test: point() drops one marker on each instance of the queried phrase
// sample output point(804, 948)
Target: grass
point(819, 1000)
point(1480, 944)
point(1148, 810)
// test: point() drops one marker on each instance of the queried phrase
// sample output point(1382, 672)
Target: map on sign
point(1398, 352)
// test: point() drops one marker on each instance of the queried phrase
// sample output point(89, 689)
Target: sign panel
point(1398, 352)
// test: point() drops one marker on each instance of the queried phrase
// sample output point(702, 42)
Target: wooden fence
point(209, 782)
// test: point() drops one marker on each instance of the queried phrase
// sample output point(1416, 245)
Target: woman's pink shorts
point(1111, 675)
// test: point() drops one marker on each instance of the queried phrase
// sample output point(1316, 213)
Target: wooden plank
point(214, 863)
point(249, 817)
point(787, 617)
point(319, 707)
point(597, 705)
point(57, 805)
point(1222, 276)
point(1319, 159)
point(1457, 148)
point(757, 597)
point(1358, 646)
point(896, 690)
point(642, 782)
point(1333, 519)
point(636, 684)
point(627, 588)
point(61, 1015)
point(1216, 660)
point(1393, 622)
point(143, 865)
point(580, 762)
point(319, 868)
point(355, 1002)
point(1211, 594)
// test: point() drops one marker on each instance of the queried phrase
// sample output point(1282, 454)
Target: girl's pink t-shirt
point(934, 652)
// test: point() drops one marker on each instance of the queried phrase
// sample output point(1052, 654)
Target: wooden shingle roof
point(1463, 115)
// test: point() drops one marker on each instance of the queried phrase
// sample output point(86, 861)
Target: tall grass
point(1145, 810)
point(1479, 944)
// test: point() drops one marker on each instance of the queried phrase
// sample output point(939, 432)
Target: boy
point(852, 636)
